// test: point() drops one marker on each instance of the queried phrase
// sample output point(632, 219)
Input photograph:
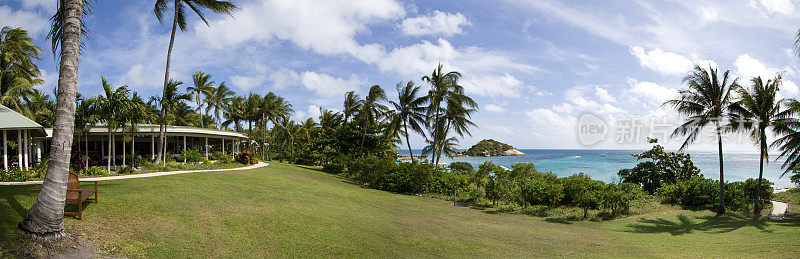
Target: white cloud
point(653, 94)
point(248, 82)
point(47, 5)
point(312, 112)
point(326, 27)
point(437, 23)
point(494, 108)
point(784, 7)
point(603, 95)
point(140, 77)
point(789, 88)
point(667, 63)
point(749, 67)
point(328, 86)
point(283, 78)
point(30, 21)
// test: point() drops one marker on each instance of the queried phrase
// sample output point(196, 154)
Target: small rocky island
point(490, 147)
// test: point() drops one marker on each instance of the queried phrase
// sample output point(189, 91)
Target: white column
point(39, 150)
point(133, 148)
point(19, 148)
point(153, 147)
point(26, 151)
point(184, 143)
point(206, 146)
point(5, 151)
point(114, 148)
point(223, 145)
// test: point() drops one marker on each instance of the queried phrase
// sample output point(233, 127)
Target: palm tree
point(234, 113)
point(329, 120)
point(46, 215)
point(442, 85)
point(788, 127)
point(408, 110)
point(169, 102)
point(218, 101)
point(112, 107)
point(86, 116)
point(134, 112)
point(179, 21)
point(253, 114)
point(272, 107)
point(706, 101)
point(45, 111)
point(202, 86)
point(372, 110)
point(352, 104)
point(18, 72)
point(456, 116)
point(756, 109)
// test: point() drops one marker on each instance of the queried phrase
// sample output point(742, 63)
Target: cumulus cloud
point(748, 67)
point(494, 108)
point(651, 93)
point(603, 95)
point(326, 27)
point(784, 7)
point(30, 21)
point(328, 86)
point(438, 23)
point(667, 63)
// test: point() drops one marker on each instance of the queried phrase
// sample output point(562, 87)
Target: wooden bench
point(76, 195)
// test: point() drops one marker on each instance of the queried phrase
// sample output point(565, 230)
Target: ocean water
point(604, 164)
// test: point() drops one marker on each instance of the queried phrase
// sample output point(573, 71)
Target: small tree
point(661, 168)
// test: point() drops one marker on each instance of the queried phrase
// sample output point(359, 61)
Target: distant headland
point(490, 147)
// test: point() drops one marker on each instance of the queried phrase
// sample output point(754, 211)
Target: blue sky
point(533, 66)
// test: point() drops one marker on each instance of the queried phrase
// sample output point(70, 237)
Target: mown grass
point(285, 210)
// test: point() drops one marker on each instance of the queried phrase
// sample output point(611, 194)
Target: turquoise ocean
point(604, 164)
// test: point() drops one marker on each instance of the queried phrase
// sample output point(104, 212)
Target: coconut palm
point(218, 101)
point(46, 215)
point(112, 106)
point(252, 114)
point(706, 102)
point(45, 111)
point(272, 107)
point(234, 113)
point(202, 89)
point(372, 111)
point(756, 109)
point(170, 101)
point(409, 110)
point(179, 20)
point(329, 120)
point(134, 112)
point(788, 127)
point(86, 116)
point(352, 104)
point(18, 72)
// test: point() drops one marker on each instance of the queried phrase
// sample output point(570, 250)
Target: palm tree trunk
point(721, 209)
point(109, 151)
point(162, 127)
point(46, 215)
point(124, 151)
point(763, 140)
point(86, 145)
point(405, 126)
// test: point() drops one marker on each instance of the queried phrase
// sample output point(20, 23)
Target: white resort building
point(140, 141)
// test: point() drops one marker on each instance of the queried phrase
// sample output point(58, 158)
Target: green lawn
point(285, 210)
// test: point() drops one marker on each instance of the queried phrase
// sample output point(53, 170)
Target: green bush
point(370, 169)
point(412, 177)
point(697, 192)
point(125, 170)
point(221, 157)
point(14, 175)
point(246, 158)
point(537, 191)
point(336, 167)
point(617, 197)
point(496, 189)
point(461, 166)
point(94, 171)
point(659, 168)
point(191, 156)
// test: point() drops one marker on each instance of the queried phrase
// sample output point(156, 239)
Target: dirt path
point(106, 178)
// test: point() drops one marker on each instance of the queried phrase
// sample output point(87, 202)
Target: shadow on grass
point(712, 224)
point(13, 207)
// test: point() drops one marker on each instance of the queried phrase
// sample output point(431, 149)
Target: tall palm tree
point(706, 102)
point(134, 113)
point(18, 72)
point(442, 85)
point(202, 89)
point(112, 108)
point(234, 113)
point(179, 21)
point(218, 101)
point(272, 107)
point(45, 108)
point(352, 104)
point(86, 116)
point(329, 120)
point(456, 116)
point(253, 114)
point(788, 127)
point(756, 109)
point(372, 111)
point(409, 110)
point(46, 215)
point(169, 102)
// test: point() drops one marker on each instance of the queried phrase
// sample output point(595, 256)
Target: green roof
point(11, 120)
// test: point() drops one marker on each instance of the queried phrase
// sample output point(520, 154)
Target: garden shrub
point(537, 191)
point(412, 177)
point(191, 156)
point(617, 197)
point(697, 192)
point(246, 158)
point(660, 168)
point(125, 170)
point(368, 170)
point(95, 171)
point(461, 166)
point(496, 189)
point(221, 157)
point(334, 167)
